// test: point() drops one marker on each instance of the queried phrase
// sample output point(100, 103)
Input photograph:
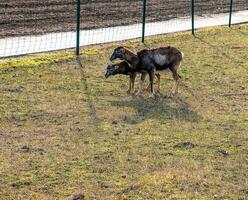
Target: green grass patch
point(66, 130)
point(36, 60)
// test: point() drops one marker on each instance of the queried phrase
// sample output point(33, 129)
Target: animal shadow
point(160, 108)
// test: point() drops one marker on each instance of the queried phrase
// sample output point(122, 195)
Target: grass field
point(67, 130)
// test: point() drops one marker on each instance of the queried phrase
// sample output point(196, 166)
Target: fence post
point(193, 16)
point(78, 28)
point(230, 13)
point(144, 21)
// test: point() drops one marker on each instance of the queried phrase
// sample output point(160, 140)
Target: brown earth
point(31, 17)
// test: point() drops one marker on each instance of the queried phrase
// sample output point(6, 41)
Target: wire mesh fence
point(110, 20)
point(29, 26)
point(168, 16)
point(206, 12)
point(34, 17)
point(237, 7)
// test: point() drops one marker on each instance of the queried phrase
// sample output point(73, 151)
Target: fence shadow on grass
point(92, 110)
point(172, 108)
point(219, 51)
point(239, 30)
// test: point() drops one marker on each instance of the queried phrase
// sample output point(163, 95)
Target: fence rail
point(29, 26)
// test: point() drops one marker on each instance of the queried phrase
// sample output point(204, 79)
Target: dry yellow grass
point(67, 130)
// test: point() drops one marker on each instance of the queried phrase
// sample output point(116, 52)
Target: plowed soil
point(32, 17)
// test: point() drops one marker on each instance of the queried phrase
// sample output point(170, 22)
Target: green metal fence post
point(230, 13)
point(78, 28)
point(144, 21)
point(193, 16)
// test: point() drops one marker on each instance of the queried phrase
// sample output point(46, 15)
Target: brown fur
point(124, 68)
point(149, 61)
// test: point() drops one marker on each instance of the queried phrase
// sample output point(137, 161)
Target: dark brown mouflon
point(152, 60)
